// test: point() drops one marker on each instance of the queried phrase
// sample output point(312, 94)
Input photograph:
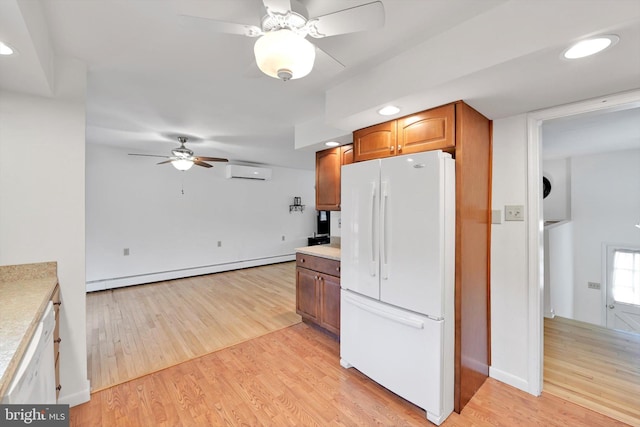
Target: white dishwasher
point(35, 380)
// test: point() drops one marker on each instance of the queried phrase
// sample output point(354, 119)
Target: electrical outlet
point(126, 251)
point(514, 213)
point(219, 243)
point(593, 285)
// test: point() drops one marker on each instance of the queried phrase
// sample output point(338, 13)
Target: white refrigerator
point(397, 276)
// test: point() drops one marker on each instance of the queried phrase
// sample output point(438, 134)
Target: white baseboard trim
point(76, 398)
point(510, 379)
point(118, 282)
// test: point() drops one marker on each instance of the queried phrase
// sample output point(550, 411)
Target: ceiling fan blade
point(358, 18)
point(149, 155)
point(210, 159)
point(278, 6)
point(320, 53)
point(219, 26)
point(203, 164)
point(166, 161)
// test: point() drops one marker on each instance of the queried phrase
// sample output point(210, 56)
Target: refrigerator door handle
point(405, 320)
point(373, 265)
point(384, 257)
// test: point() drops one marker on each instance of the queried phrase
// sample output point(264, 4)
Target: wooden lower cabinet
point(318, 291)
point(307, 291)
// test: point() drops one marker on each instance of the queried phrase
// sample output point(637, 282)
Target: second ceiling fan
point(182, 158)
point(282, 50)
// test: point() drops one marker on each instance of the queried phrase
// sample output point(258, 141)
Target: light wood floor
point(140, 329)
point(292, 377)
point(593, 366)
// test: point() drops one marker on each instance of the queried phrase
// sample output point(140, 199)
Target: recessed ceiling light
point(590, 46)
point(332, 143)
point(388, 110)
point(6, 50)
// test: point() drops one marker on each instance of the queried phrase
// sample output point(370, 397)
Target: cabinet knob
point(59, 387)
point(57, 340)
point(301, 259)
point(399, 147)
point(391, 148)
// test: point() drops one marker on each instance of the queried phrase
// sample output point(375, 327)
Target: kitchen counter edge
point(27, 289)
point(323, 251)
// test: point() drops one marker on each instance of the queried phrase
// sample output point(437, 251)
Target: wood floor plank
point(293, 377)
point(140, 329)
point(593, 366)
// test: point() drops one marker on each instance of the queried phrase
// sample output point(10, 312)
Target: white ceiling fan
point(282, 50)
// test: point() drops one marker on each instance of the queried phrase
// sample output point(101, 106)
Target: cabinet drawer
point(319, 264)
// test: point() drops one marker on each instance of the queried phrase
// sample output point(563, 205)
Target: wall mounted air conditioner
point(248, 172)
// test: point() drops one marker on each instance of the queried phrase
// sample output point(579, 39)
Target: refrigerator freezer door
point(359, 252)
point(416, 242)
point(400, 350)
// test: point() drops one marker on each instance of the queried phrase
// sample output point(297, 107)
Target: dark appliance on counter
point(323, 229)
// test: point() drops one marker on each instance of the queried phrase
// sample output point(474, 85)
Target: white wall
point(134, 203)
point(509, 286)
point(605, 205)
point(42, 204)
point(558, 269)
point(557, 206)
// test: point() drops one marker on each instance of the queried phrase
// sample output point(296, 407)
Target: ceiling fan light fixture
point(283, 54)
point(182, 164)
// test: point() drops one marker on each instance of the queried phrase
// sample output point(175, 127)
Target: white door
point(360, 206)
point(623, 289)
point(417, 234)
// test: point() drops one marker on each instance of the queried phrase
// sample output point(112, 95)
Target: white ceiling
point(591, 133)
point(152, 78)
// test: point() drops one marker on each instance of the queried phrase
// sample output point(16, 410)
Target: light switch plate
point(496, 216)
point(514, 213)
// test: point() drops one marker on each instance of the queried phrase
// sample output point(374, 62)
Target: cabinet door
point(330, 303)
point(347, 154)
point(375, 142)
point(328, 164)
point(307, 293)
point(429, 130)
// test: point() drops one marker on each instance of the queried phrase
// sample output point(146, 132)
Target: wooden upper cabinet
point(429, 130)
point(347, 154)
point(375, 142)
point(328, 164)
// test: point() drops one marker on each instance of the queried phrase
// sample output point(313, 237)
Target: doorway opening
point(536, 253)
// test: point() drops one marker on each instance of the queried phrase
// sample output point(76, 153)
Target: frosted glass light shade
point(182, 164)
point(283, 54)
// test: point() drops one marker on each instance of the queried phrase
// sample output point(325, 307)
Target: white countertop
point(324, 251)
